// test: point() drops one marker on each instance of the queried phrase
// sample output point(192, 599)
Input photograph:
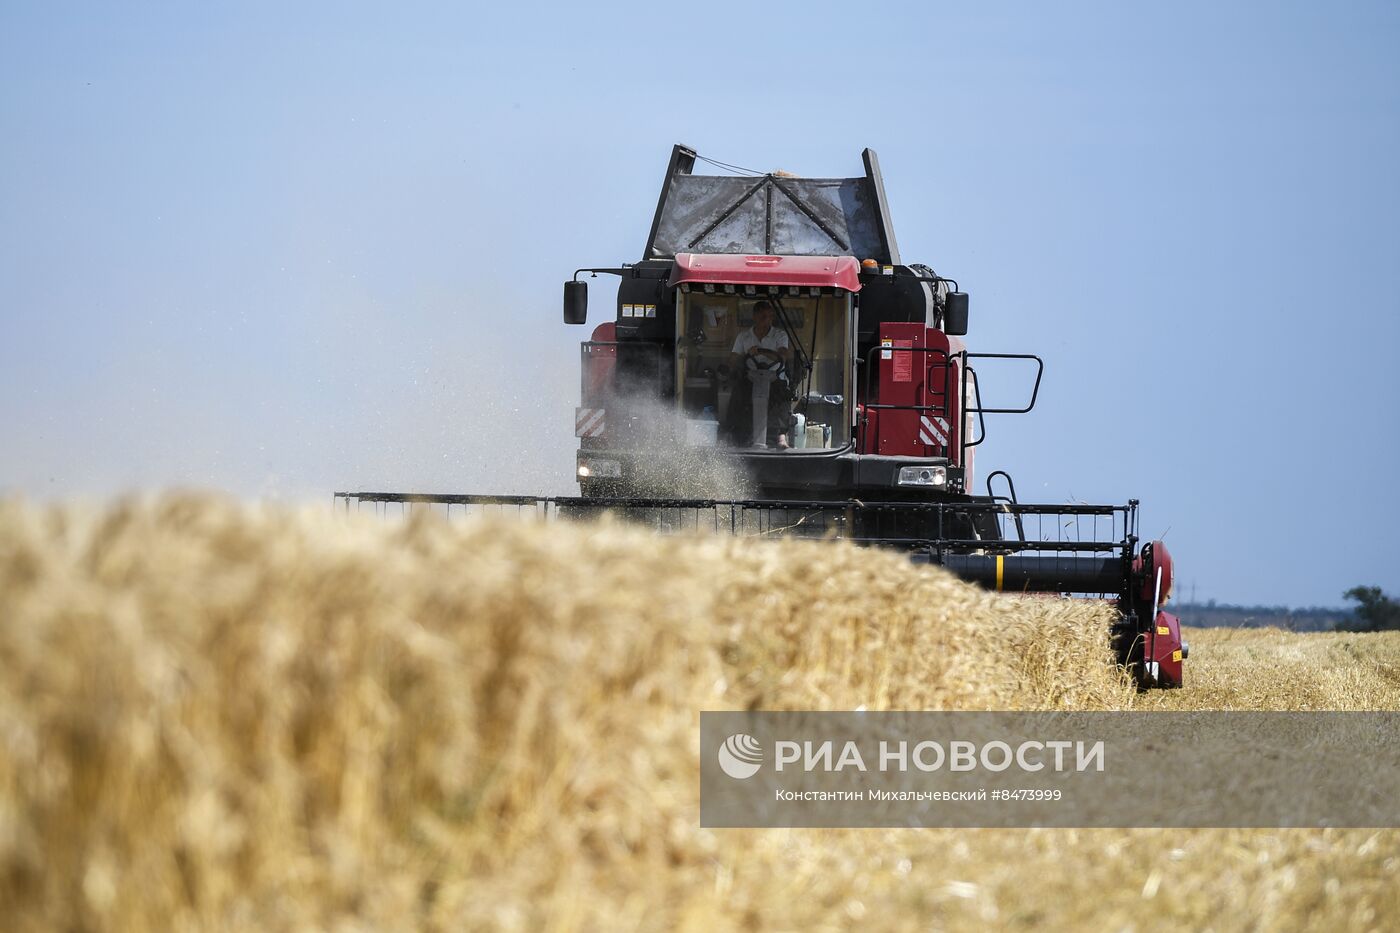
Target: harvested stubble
point(221, 716)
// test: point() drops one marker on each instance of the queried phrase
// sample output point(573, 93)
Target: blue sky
point(279, 251)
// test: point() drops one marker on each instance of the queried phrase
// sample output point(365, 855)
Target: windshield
point(766, 372)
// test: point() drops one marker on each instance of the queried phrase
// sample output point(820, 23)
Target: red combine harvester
point(772, 367)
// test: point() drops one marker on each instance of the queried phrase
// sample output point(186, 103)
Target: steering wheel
point(764, 360)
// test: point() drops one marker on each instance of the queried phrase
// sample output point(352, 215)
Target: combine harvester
point(852, 408)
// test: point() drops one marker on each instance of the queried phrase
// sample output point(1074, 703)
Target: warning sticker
point(904, 363)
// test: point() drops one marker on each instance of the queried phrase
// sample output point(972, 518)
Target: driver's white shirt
point(776, 339)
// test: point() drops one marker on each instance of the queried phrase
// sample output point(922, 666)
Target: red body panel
point(1161, 560)
point(598, 364)
point(801, 271)
point(923, 378)
point(1164, 647)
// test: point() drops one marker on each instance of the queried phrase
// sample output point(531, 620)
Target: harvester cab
point(772, 366)
point(874, 394)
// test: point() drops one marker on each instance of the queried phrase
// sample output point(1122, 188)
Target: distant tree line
point(1375, 612)
point(1294, 619)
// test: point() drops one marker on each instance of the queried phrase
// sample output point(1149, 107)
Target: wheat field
point(223, 716)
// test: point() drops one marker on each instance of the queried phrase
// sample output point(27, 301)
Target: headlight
point(602, 469)
point(923, 476)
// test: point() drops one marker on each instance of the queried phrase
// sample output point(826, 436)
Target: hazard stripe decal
point(588, 422)
point(933, 431)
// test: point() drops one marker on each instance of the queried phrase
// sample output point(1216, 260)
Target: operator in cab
point(758, 411)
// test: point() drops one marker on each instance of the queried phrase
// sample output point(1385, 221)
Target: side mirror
point(955, 314)
point(575, 302)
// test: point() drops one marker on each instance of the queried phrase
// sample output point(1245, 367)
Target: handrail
point(1035, 391)
point(1010, 499)
point(875, 406)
